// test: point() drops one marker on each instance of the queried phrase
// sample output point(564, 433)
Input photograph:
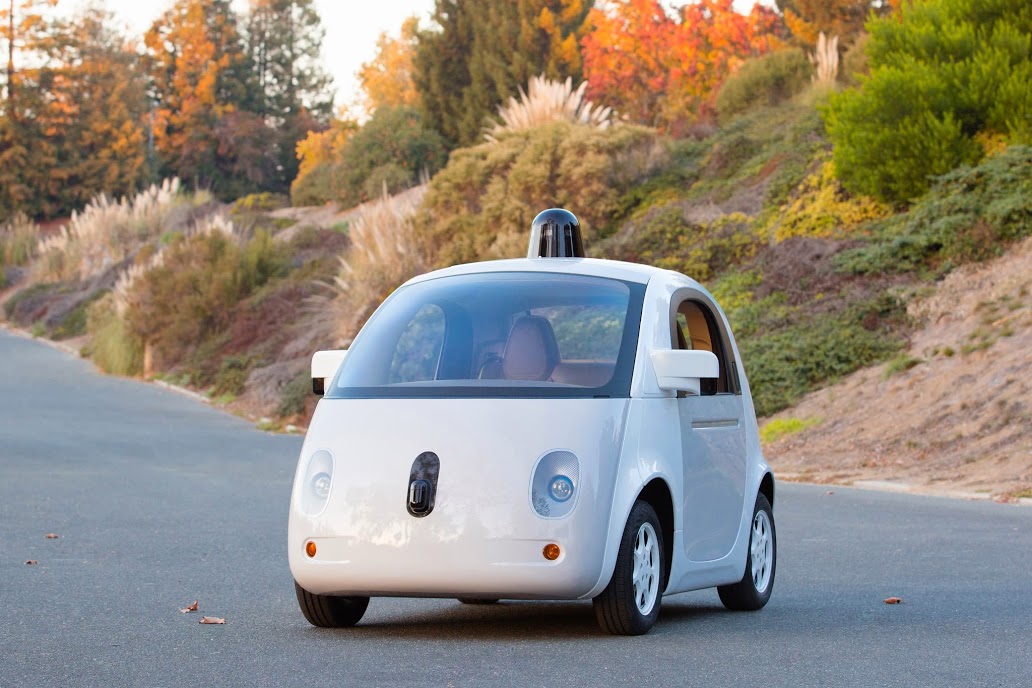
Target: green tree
point(292, 96)
point(480, 51)
point(949, 78)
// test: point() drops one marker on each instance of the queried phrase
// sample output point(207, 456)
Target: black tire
point(744, 596)
point(474, 600)
point(616, 608)
point(329, 611)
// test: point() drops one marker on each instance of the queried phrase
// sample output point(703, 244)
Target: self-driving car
point(547, 428)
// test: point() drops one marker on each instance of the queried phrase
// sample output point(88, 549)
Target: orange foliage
point(387, 78)
point(661, 70)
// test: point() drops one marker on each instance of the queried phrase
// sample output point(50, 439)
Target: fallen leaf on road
point(191, 608)
point(893, 600)
point(51, 536)
point(32, 562)
point(830, 492)
point(211, 620)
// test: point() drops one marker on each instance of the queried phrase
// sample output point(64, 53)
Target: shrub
point(779, 428)
point(482, 203)
point(764, 81)
point(942, 72)
point(18, 240)
point(970, 214)
point(188, 294)
point(821, 206)
point(113, 347)
point(392, 136)
point(785, 364)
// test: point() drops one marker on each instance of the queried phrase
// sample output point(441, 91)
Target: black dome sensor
point(555, 234)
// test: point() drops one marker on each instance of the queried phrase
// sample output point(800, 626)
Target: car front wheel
point(630, 603)
point(753, 591)
point(330, 611)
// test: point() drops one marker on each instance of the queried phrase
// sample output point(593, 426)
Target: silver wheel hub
point(761, 551)
point(645, 570)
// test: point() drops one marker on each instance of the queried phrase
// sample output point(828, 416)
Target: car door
point(712, 441)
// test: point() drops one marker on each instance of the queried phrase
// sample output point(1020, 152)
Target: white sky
point(352, 27)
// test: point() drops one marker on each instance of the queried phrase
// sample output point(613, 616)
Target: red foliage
point(661, 70)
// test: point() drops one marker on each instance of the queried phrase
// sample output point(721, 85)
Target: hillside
point(951, 414)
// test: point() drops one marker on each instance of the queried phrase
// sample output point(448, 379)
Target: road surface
point(159, 501)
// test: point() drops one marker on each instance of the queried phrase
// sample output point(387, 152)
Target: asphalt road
point(159, 500)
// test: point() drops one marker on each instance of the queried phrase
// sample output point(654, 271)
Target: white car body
point(696, 457)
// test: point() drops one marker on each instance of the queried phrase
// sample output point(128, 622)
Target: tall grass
point(547, 101)
point(382, 255)
point(18, 241)
point(107, 232)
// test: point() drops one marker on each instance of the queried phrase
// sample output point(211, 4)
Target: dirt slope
point(953, 415)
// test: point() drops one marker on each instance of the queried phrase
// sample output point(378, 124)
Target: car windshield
point(515, 334)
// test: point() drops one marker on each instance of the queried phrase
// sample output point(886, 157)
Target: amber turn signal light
point(551, 551)
point(310, 548)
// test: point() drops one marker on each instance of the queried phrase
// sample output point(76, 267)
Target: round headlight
point(560, 488)
point(321, 485)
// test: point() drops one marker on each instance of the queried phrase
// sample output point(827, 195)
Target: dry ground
point(952, 415)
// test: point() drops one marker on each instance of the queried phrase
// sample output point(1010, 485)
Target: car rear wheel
point(753, 591)
point(330, 611)
point(630, 603)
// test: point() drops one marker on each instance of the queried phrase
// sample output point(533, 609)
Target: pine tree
point(291, 94)
point(482, 51)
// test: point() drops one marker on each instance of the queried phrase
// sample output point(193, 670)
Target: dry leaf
point(893, 600)
point(191, 608)
point(51, 536)
point(211, 620)
point(831, 492)
point(32, 562)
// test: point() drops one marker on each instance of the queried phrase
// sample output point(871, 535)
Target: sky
point(352, 27)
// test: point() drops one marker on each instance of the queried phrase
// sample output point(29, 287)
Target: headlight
point(317, 482)
point(561, 488)
point(553, 488)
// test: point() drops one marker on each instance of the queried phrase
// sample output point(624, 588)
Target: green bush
point(764, 81)
point(18, 241)
point(393, 136)
point(482, 203)
point(944, 74)
point(970, 214)
point(295, 394)
point(785, 364)
point(190, 296)
point(113, 347)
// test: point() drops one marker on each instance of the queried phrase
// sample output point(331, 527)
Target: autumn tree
point(662, 70)
point(387, 79)
point(806, 19)
point(480, 51)
point(97, 105)
point(200, 73)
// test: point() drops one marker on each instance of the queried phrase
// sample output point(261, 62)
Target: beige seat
point(531, 351)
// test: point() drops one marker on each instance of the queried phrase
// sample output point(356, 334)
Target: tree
point(806, 19)
point(291, 95)
point(949, 78)
point(480, 51)
point(23, 26)
point(662, 70)
point(199, 73)
point(387, 79)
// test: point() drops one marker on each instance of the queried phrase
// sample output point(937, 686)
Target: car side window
point(696, 329)
point(419, 347)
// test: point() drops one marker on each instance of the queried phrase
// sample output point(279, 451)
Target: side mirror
point(681, 371)
point(324, 366)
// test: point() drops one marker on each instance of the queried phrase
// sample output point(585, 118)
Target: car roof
point(612, 269)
